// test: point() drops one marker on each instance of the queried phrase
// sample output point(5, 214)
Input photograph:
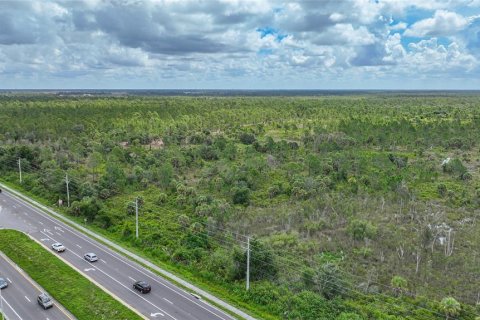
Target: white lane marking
point(132, 279)
point(36, 286)
point(78, 246)
point(89, 269)
point(124, 260)
point(27, 299)
point(25, 213)
point(103, 261)
point(59, 229)
point(9, 280)
point(154, 315)
point(40, 222)
point(58, 234)
point(155, 277)
point(8, 304)
point(168, 300)
point(128, 288)
point(45, 239)
point(14, 206)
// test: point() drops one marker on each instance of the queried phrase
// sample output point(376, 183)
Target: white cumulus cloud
point(443, 23)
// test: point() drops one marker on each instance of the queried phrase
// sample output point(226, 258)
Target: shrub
point(349, 316)
point(161, 199)
point(329, 281)
point(241, 195)
point(442, 190)
point(399, 285)
point(247, 138)
point(455, 167)
point(450, 307)
point(274, 191)
point(360, 229)
point(399, 161)
point(208, 153)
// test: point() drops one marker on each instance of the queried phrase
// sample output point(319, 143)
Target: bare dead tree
point(449, 243)
point(400, 251)
point(418, 258)
point(372, 277)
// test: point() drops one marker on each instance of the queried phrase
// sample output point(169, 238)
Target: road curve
point(113, 272)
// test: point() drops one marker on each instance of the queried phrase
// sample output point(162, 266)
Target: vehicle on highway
point(3, 283)
point(57, 246)
point(142, 286)
point(45, 301)
point(91, 257)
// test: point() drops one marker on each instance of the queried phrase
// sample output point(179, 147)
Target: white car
point(92, 257)
point(57, 246)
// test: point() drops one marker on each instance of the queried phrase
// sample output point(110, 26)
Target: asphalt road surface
point(112, 271)
point(19, 299)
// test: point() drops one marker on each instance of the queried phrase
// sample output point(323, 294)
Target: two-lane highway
point(112, 271)
point(19, 299)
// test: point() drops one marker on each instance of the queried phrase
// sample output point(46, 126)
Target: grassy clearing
point(76, 293)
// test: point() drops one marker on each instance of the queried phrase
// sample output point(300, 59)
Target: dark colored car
point(45, 301)
point(142, 286)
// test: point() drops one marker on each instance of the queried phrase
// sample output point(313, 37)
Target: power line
point(31, 167)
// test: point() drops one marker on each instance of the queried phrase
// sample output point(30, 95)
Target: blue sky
point(240, 44)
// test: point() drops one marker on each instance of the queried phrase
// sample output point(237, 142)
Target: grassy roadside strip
point(187, 275)
point(76, 293)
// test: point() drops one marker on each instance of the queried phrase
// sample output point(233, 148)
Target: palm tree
point(399, 285)
point(450, 307)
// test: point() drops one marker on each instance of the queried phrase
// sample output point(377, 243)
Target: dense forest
point(355, 207)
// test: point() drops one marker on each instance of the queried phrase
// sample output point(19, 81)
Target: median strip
point(71, 289)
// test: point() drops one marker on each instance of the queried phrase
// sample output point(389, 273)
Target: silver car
point(45, 301)
point(3, 283)
point(92, 257)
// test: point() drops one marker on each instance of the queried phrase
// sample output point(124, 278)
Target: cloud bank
point(240, 44)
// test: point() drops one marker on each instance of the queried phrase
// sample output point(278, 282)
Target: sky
point(240, 44)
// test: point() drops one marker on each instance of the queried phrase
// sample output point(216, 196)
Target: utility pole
point(68, 191)
point(136, 217)
point(20, 169)
point(248, 263)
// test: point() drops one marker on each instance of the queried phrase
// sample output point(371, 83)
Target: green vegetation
point(80, 296)
point(357, 207)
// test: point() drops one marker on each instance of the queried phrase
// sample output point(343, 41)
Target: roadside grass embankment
point(76, 293)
